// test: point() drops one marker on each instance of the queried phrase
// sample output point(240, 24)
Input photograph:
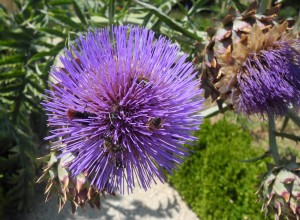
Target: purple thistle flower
point(270, 80)
point(252, 63)
point(123, 104)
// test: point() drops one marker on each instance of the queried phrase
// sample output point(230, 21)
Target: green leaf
point(16, 34)
point(146, 19)
point(53, 52)
point(264, 5)
point(111, 12)
point(13, 44)
point(239, 5)
point(169, 21)
point(11, 88)
point(183, 9)
point(12, 59)
point(65, 20)
point(8, 162)
point(196, 6)
point(39, 42)
point(79, 13)
point(7, 96)
point(138, 19)
point(52, 32)
point(40, 55)
point(166, 6)
point(61, 2)
point(32, 103)
point(48, 66)
point(12, 74)
point(33, 82)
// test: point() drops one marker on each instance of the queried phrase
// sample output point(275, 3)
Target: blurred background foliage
point(32, 35)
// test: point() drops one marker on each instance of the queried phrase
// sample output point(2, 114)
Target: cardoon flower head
point(122, 105)
point(253, 63)
point(270, 79)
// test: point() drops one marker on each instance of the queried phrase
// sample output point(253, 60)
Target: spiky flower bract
point(122, 105)
point(253, 63)
point(279, 191)
point(77, 189)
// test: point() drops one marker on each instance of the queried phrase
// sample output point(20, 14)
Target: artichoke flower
point(120, 108)
point(252, 63)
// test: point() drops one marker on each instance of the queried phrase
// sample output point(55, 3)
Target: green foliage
point(32, 37)
point(18, 153)
point(27, 52)
point(213, 181)
point(1, 200)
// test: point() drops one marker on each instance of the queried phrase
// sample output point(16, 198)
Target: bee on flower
point(111, 83)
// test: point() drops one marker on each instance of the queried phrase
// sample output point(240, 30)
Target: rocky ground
point(160, 202)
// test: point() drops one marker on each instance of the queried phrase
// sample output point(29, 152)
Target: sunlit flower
point(270, 79)
point(253, 63)
point(122, 105)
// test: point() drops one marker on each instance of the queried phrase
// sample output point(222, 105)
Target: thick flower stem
point(272, 139)
point(111, 12)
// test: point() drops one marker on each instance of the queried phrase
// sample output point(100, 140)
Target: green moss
point(213, 181)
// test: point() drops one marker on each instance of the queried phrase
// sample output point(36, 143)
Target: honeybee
point(114, 113)
point(141, 81)
point(73, 114)
point(119, 163)
point(109, 145)
point(154, 123)
point(113, 149)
